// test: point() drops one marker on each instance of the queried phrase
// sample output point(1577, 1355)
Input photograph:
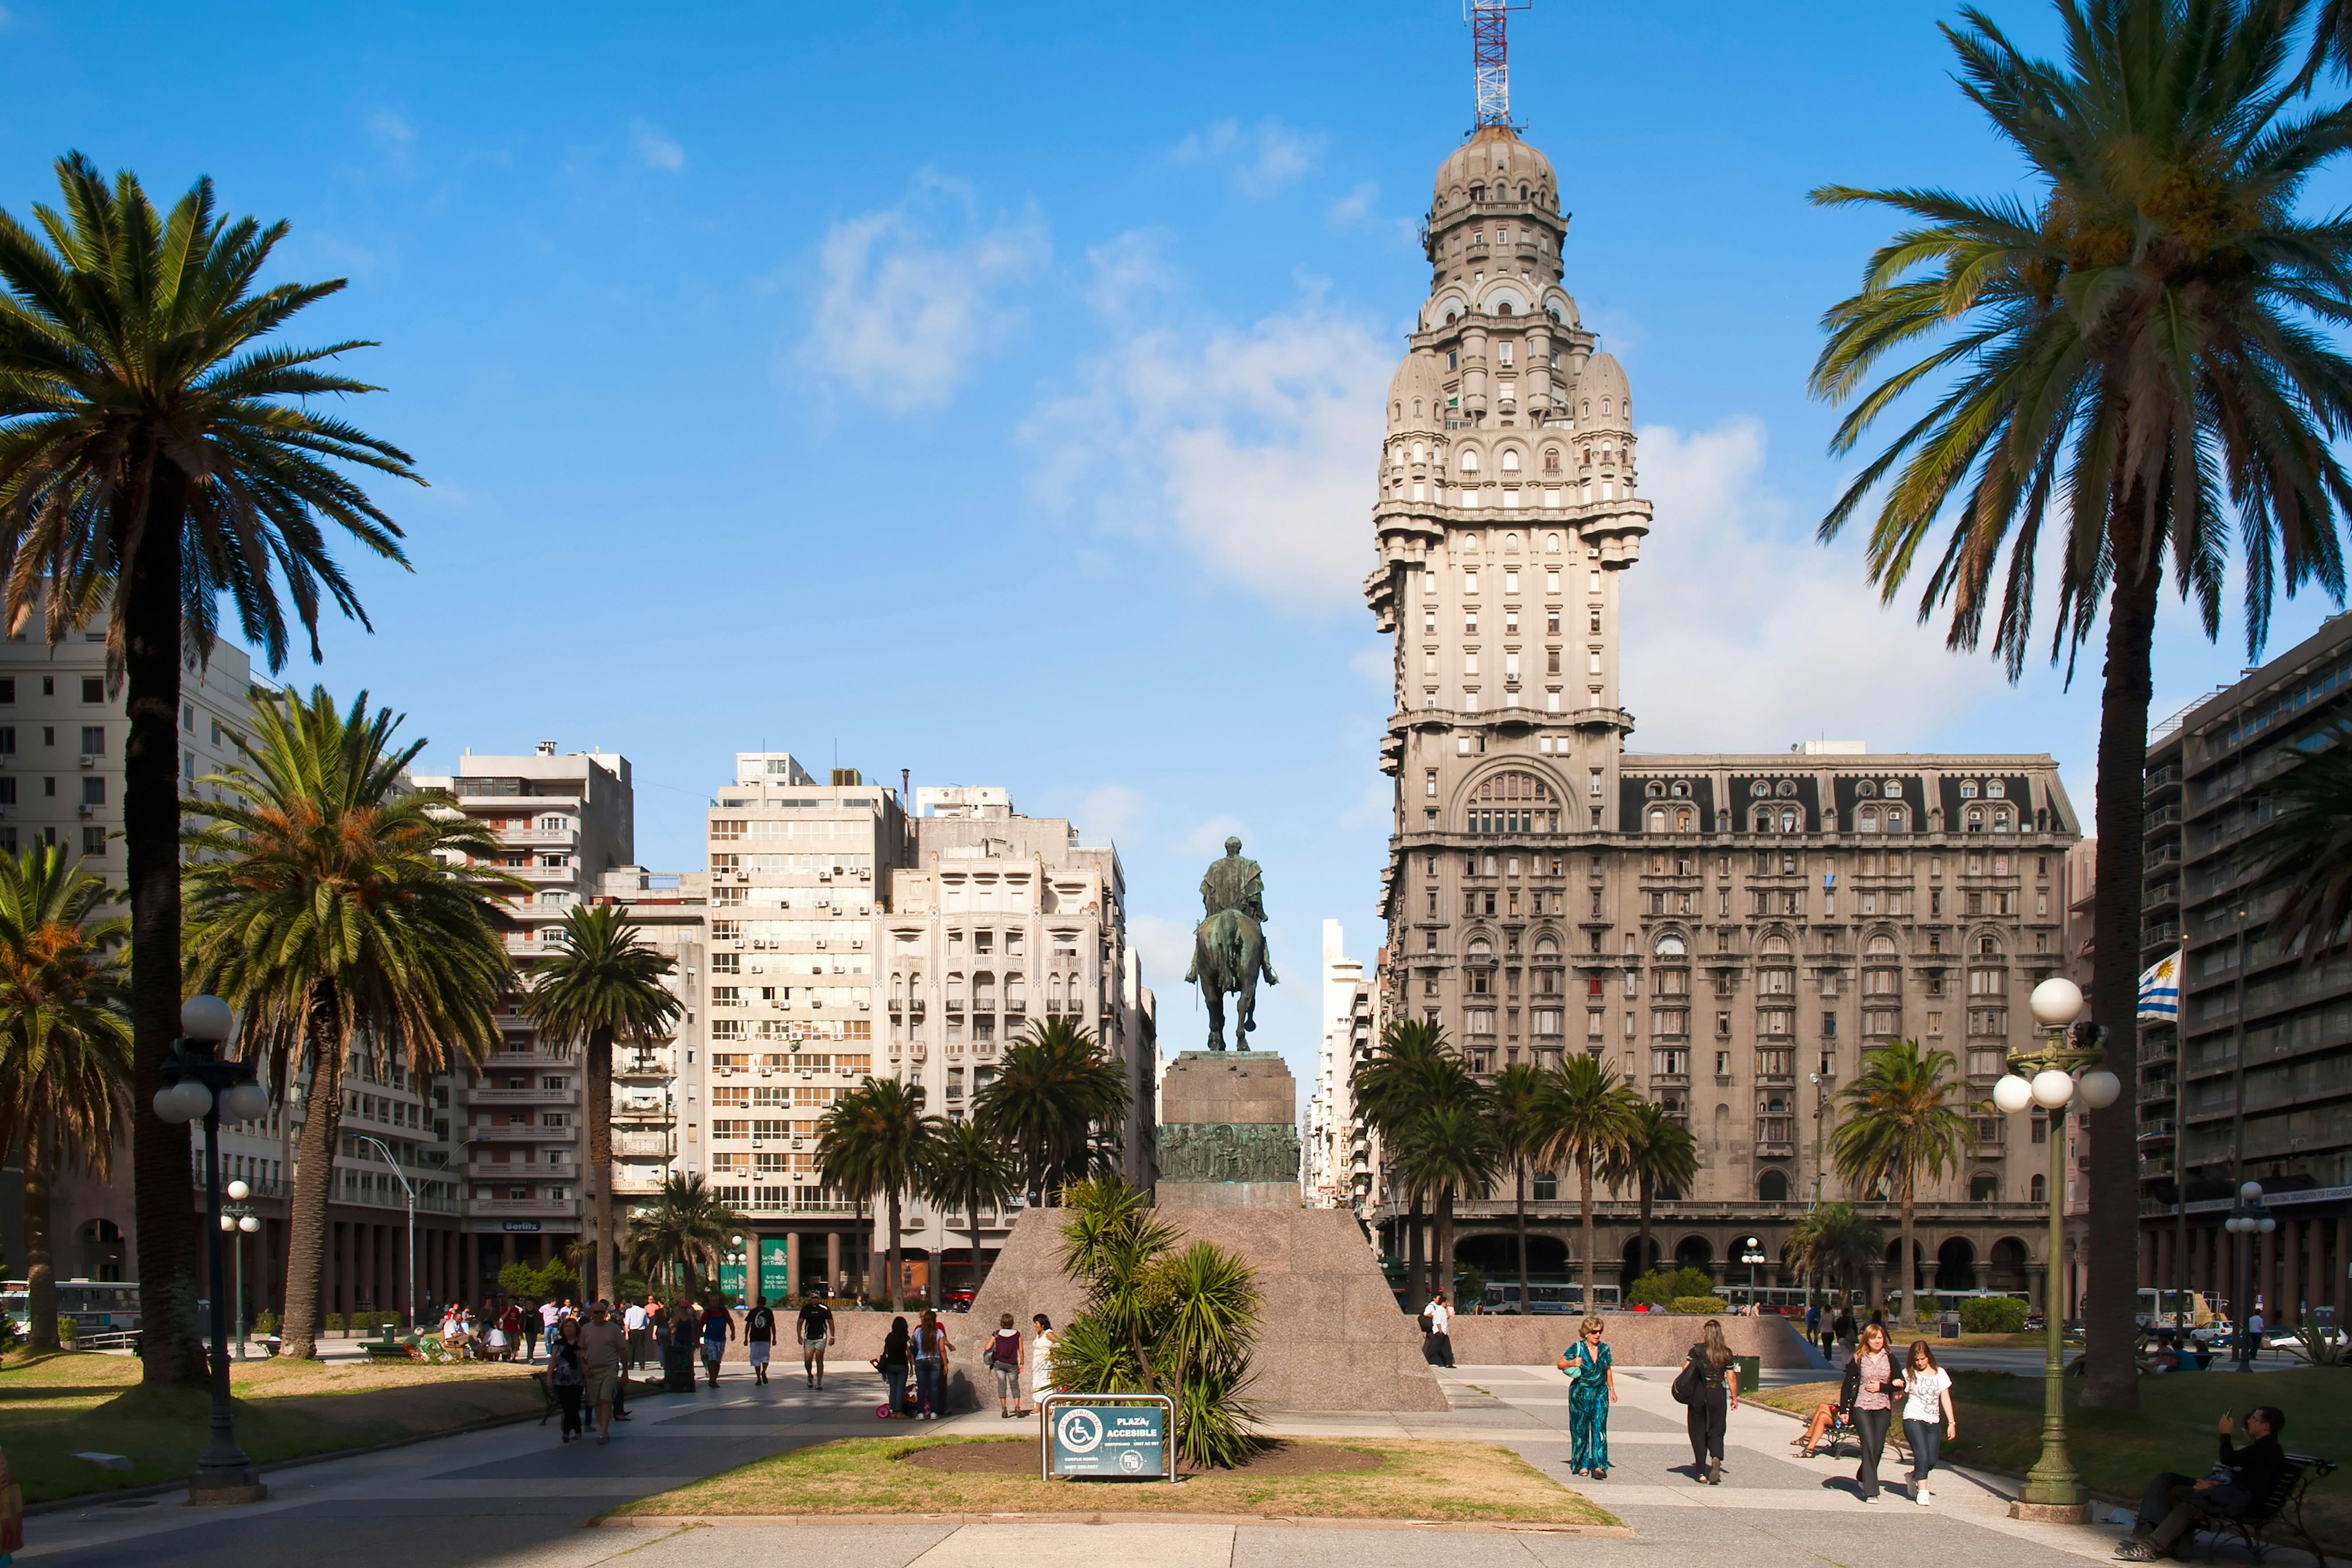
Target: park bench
point(2277, 1515)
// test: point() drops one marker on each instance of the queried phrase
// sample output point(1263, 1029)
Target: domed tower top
point(1604, 399)
point(1415, 392)
point(1493, 165)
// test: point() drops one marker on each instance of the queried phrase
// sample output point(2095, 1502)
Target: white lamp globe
point(2012, 1093)
point(182, 1101)
point(2230, 1225)
point(245, 1102)
point(249, 1225)
point(2100, 1089)
point(2053, 1088)
point(2267, 1224)
point(236, 1192)
point(229, 1222)
point(207, 1018)
point(2055, 1003)
point(2250, 1191)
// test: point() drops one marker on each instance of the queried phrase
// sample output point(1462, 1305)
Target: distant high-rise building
point(1338, 1142)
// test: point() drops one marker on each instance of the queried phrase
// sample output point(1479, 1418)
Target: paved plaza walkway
point(513, 1498)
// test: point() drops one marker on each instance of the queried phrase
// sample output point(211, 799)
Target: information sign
point(1107, 1436)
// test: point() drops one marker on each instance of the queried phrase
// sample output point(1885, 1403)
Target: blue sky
point(993, 392)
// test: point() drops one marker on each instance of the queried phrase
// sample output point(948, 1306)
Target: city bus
point(96, 1306)
point(1548, 1298)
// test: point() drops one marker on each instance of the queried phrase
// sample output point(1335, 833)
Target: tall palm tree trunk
point(1446, 1241)
point(1584, 1178)
point(1642, 1256)
point(314, 1180)
point(1910, 1254)
point(973, 1216)
point(1527, 1301)
point(2113, 1378)
point(896, 1273)
point(1416, 1277)
point(162, 1192)
point(41, 1271)
point(599, 1070)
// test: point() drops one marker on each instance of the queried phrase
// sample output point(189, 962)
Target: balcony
point(483, 1094)
point(2163, 815)
point(641, 1145)
point(1774, 1150)
point(2161, 779)
point(524, 1208)
point(540, 837)
point(2156, 1132)
point(482, 1168)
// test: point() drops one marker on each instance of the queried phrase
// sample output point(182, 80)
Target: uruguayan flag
point(2160, 990)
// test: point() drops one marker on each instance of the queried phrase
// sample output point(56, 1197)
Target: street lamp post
point(239, 1220)
point(2248, 1220)
point(198, 1083)
point(2048, 1076)
point(411, 1191)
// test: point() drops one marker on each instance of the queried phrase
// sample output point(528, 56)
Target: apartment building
point(997, 920)
point(1728, 931)
point(670, 912)
point(517, 1135)
point(1337, 1147)
point(2255, 1077)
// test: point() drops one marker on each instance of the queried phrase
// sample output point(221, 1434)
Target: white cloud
point(1254, 446)
point(1262, 158)
point(1742, 633)
point(1209, 837)
point(1166, 947)
point(1358, 206)
point(908, 297)
point(1109, 811)
point(1377, 665)
point(389, 132)
point(654, 149)
point(1125, 272)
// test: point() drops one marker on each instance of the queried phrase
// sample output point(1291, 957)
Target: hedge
point(1992, 1315)
point(1699, 1305)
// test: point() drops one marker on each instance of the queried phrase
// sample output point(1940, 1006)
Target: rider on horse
point(1229, 948)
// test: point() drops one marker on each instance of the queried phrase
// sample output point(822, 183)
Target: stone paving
point(513, 1498)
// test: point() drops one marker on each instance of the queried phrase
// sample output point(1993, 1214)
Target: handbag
point(1687, 1384)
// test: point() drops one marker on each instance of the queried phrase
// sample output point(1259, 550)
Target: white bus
point(1548, 1298)
point(96, 1306)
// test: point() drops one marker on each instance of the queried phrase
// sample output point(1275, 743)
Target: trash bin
point(1751, 1371)
point(1948, 1328)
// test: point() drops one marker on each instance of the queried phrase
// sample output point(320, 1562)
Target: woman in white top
point(1041, 1359)
point(1929, 1420)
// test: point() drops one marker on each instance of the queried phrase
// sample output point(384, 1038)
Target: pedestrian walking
point(931, 1347)
point(1928, 1419)
point(1436, 1330)
point(717, 1328)
point(758, 1336)
point(1041, 1361)
point(550, 1314)
point(1591, 1390)
point(2255, 1333)
point(1843, 1328)
point(1813, 1321)
point(683, 1336)
point(568, 1378)
point(1003, 1358)
point(1876, 1382)
point(635, 1321)
point(894, 1363)
point(1716, 1395)
point(816, 1334)
point(603, 1343)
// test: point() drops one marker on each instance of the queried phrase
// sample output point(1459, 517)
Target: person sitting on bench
point(2174, 1503)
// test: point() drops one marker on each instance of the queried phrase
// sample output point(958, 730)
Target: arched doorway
point(1634, 1265)
point(1694, 1252)
point(2009, 1258)
point(1956, 1265)
point(1895, 1264)
point(1497, 1255)
point(1772, 1188)
point(1749, 1261)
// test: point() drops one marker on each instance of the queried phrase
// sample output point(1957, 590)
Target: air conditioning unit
point(856, 945)
point(739, 944)
point(864, 1005)
point(824, 875)
point(743, 876)
point(88, 760)
point(865, 875)
point(87, 809)
point(820, 944)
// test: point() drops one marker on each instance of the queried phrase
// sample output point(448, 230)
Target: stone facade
point(1227, 1138)
point(1728, 932)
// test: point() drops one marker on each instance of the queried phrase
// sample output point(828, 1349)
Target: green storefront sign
point(1106, 1438)
point(774, 1278)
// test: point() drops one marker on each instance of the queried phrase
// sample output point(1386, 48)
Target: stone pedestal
point(1228, 1132)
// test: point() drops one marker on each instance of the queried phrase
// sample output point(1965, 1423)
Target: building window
point(93, 841)
point(93, 689)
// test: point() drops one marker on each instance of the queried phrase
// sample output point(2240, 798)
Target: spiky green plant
point(1413, 1070)
point(1903, 1122)
point(1449, 1149)
point(967, 1171)
point(1834, 1242)
point(1591, 1113)
point(1656, 1151)
point(873, 1144)
point(680, 1234)
point(2307, 845)
point(1160, 1318)
point(601, 984)
point(1516, 1106)
point(1057, 1097)
point(2130, 366)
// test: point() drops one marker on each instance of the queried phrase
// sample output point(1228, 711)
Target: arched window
point(1416, 414)
point(1512, 802)
point(1776, 944)
point(1759, 789)
point(1504, 308)
point(2041, 1189)
point(1604, 408)
point(1551, 460)
point(1968, 789)
point(1658, 819)
point(1682, 822)
point(1866, 818)
point(1984, 1187)
point(1656, 789)
point(1681, 790)
point(1764, 821)
point(1787, 822)
point(1510, 460)
point(1772, 1188)
point(1866, 788)
point(1469, 461)
point(1480, 949)
point(1552, 545)
point(1671, 945)
point(1897, 819)
point(1510, 541)
point(1786, 789)
point(1976, 819)
point(2000, 822)
point(1881, 947)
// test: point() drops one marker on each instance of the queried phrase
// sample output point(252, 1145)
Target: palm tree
point(1835, 1241)
point(155, 456)
point(64, 1043)
point(1413, 1069)
point(1516, 1105)
point(873, 1144)
point(2308, 845)
point(1656, 1151)
point(968, 1171)
point(2136, 352)
point(602, 984)
point(1903, 1121)
point(1591, 1113)
point(1056, 1092)
point(1449, 1149)
point(680, 1234)
point(335, 907)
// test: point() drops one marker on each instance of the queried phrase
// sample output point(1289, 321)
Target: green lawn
point(2117, 1451)
point(54, 1406)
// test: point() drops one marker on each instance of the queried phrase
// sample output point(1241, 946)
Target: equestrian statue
point(1229, 947)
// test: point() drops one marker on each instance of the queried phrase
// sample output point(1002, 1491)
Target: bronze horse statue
point(1229, 945)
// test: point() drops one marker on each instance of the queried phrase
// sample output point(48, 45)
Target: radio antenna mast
point(1490, 56)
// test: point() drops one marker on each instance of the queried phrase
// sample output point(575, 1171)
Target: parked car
point(960, 1299)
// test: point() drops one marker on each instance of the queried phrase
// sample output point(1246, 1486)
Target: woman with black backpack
point(568, 1376)
point(1708, 1384)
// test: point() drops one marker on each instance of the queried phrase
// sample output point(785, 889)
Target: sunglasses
point(1592, 1334)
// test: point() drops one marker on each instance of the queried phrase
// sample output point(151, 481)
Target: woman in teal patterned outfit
point(1593, 1389)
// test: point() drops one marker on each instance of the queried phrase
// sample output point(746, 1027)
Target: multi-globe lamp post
point(2069, 1064)
point(238, 1219)
point(197, 1082)
point(2249, 1220)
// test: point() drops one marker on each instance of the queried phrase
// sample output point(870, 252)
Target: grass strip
point(1451, 1481)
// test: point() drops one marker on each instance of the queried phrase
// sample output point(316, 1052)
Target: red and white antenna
point(1490, 56)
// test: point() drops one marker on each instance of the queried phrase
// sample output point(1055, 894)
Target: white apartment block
point(1338, 1147)
point(516, 1133)
point(670, 912)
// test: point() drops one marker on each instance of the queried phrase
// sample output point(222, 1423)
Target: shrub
point(1656, 1289)
point(265, 1323)
point(1992, 1315)
point(1699, 1305)
point(68, 1330)
point(1469, 1285)
point(334, 1323)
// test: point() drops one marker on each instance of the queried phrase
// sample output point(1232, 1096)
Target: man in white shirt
point(1438, 1349)
point(634, 1320)
point(550, 1314)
